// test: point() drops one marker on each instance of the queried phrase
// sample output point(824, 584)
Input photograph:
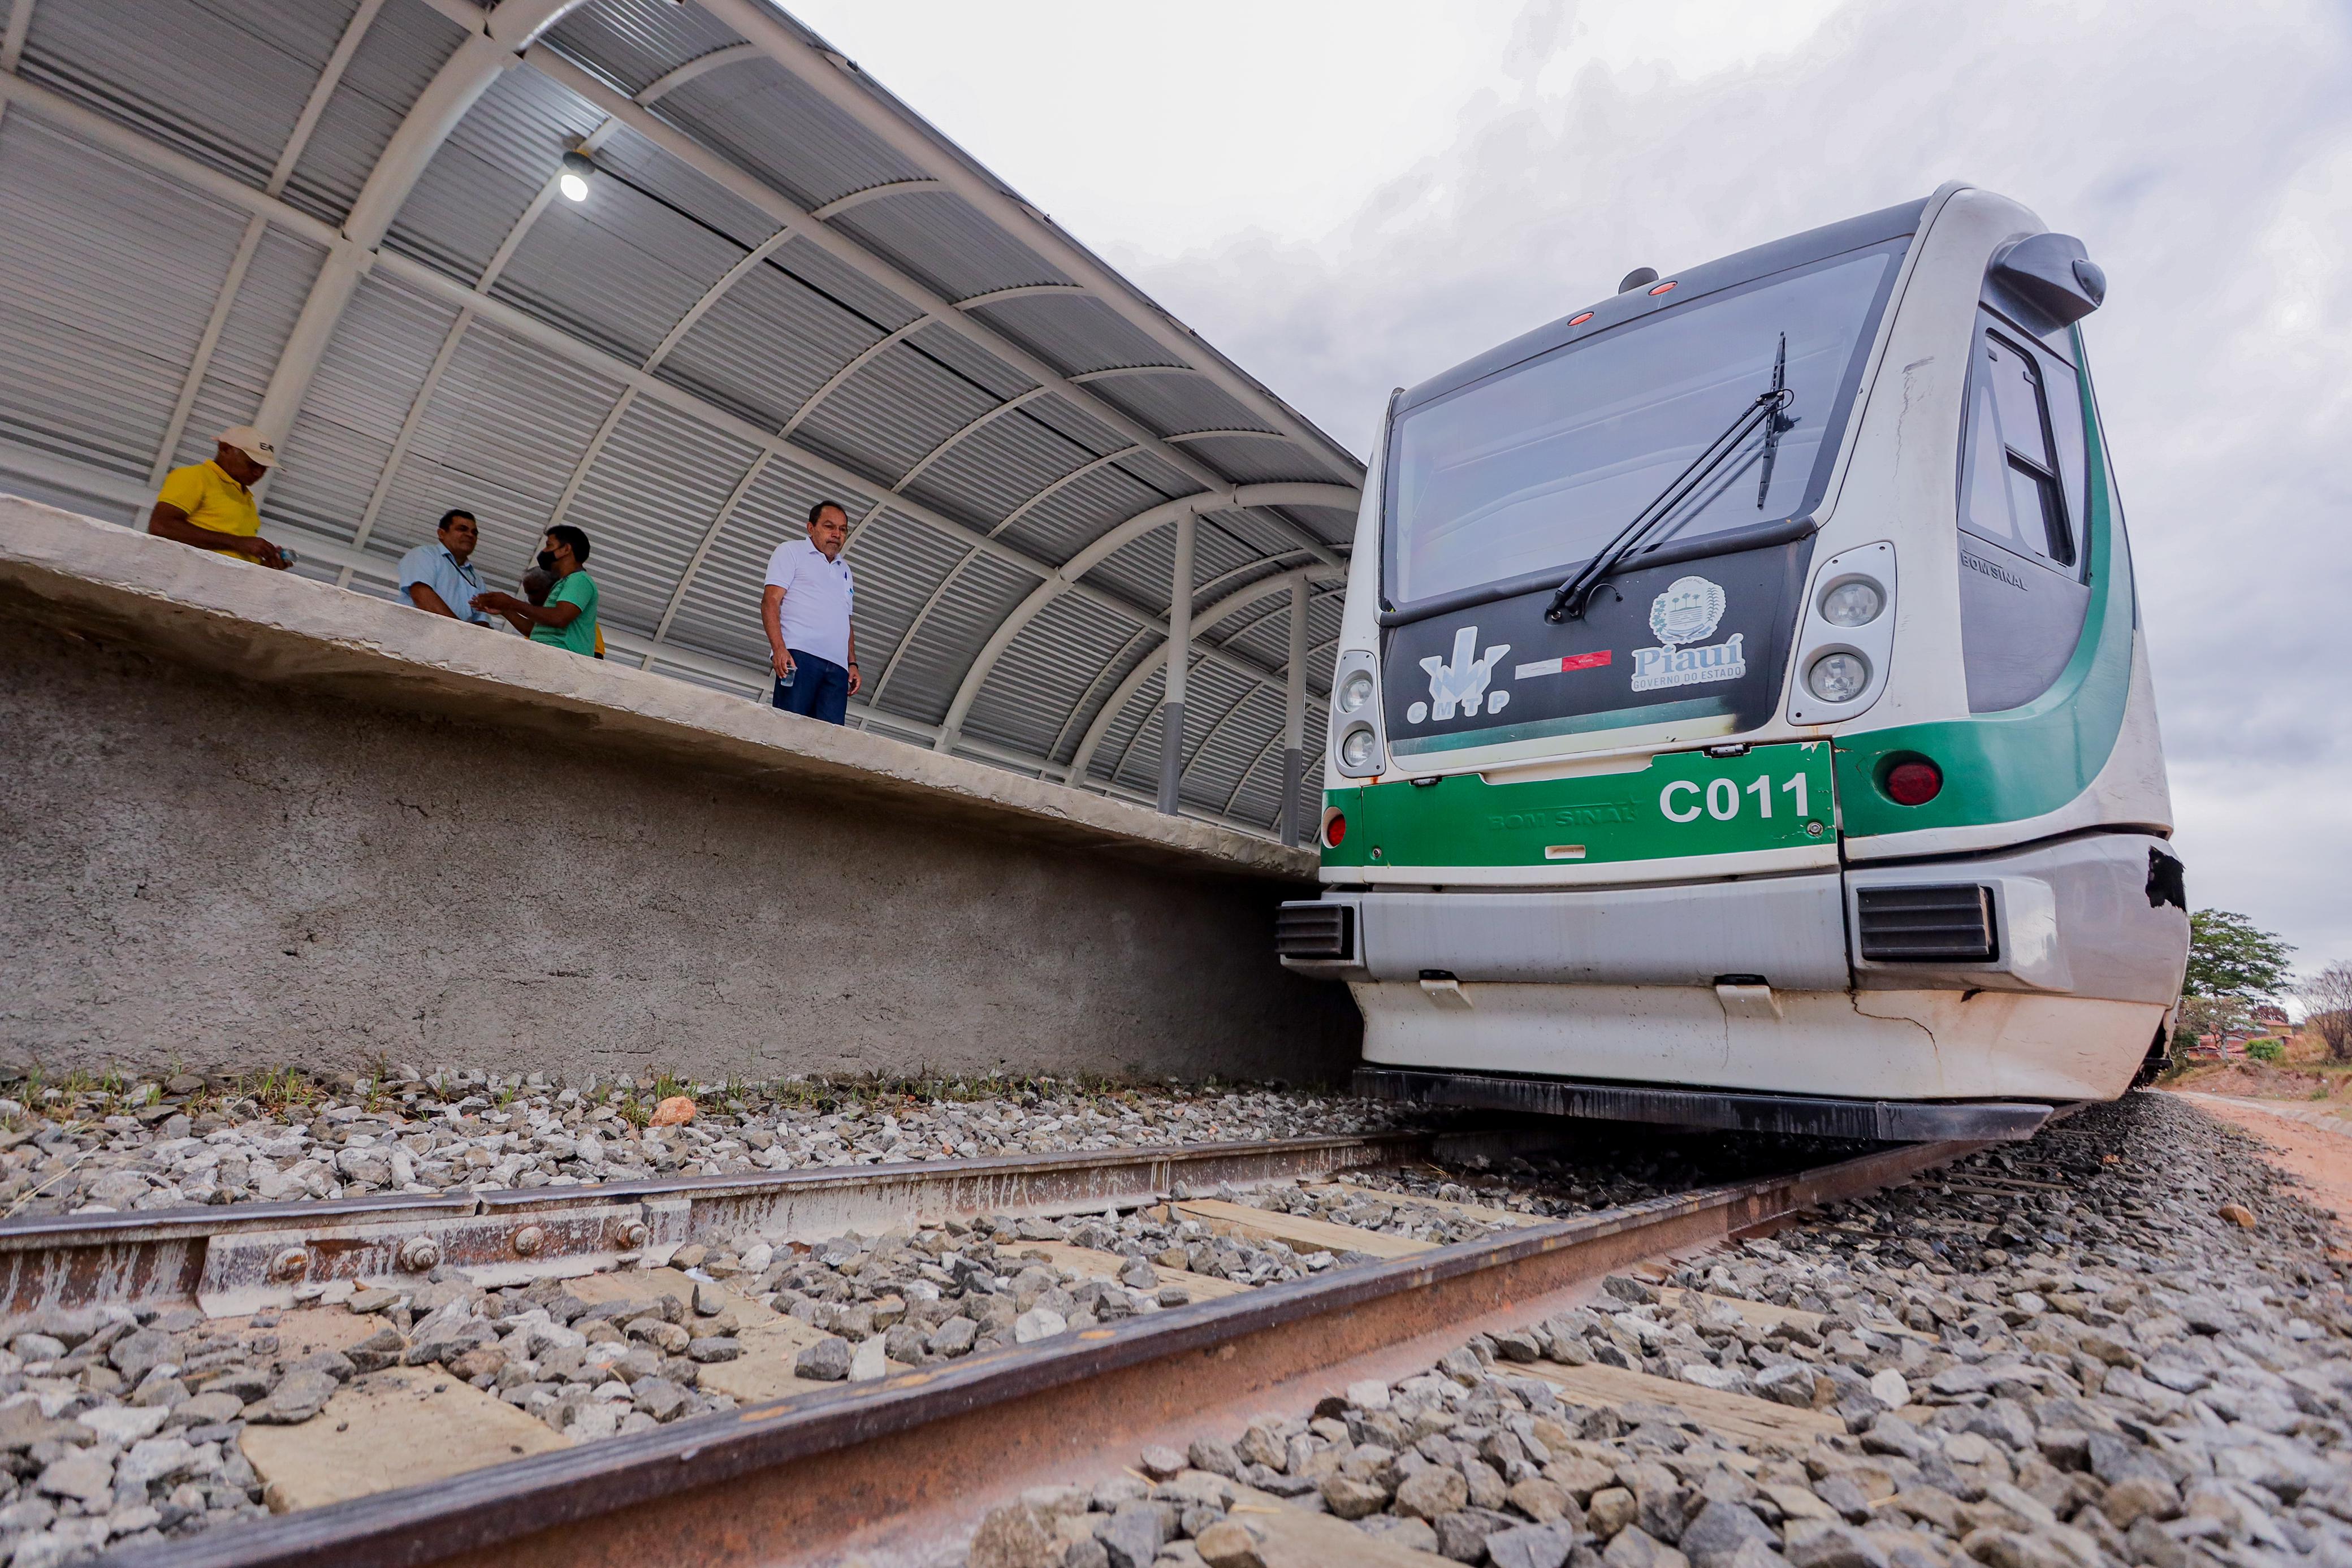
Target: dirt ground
point(2321, 1160)
point(2255, 1081)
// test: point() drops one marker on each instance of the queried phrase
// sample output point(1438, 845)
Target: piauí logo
point(1463, 684)
point(1691, 608)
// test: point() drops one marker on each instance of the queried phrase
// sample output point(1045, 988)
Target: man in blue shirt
point(440, 578)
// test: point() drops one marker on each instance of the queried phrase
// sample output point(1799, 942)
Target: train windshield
point(1534, 468)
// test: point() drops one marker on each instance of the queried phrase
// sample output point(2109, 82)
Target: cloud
point(2204, 155)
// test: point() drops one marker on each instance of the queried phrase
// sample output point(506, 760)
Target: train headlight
point(1838, 677)
point(1853, 602)
point(1355, 691)
point(1356, 748)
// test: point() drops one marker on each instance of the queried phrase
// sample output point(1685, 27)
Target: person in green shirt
point(568, 619)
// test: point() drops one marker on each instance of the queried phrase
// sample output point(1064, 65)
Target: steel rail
point(240, 1257)
point(806, 1479)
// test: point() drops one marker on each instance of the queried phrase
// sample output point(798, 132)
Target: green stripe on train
point(2027, 761)
point(1682, 804)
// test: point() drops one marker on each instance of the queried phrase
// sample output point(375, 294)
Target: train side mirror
point(2053, 273)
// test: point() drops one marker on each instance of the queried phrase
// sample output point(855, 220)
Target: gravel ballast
point(73, 1149)
point(2125, 1343)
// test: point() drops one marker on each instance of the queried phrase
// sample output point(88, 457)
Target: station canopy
point(343, 220)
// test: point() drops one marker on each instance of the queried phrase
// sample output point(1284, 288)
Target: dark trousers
point(819, 689)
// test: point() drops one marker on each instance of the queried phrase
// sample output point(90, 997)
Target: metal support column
point(1294, 716)
point(1180, 658)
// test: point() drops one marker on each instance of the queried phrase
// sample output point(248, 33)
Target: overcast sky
point(1350, 197)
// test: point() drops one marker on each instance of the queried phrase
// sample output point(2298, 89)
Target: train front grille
point(1315, 931)
point(1924, 925)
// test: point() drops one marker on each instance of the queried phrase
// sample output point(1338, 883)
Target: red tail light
point(1335, 830)
point(1913, 783)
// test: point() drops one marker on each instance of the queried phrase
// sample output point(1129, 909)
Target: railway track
point(890, 1465)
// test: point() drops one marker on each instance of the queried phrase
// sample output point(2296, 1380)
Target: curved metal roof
point(783, 285)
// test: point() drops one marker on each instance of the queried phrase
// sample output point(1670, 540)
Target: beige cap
point(252, 443)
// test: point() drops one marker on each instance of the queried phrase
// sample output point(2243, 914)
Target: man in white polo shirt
point(805, 608)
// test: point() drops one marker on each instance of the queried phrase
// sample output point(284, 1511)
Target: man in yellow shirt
point(210, 504)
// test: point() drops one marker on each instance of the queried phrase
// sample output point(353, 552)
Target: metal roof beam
point(701, 65)
point(1238, 600)
point(288, 157)
point(840, 84)
point(742, 183)
point(1064, 578)
point(856, 199)
point(12, 40)
point(455, 88)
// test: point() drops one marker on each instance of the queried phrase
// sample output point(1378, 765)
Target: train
point(1741, 716)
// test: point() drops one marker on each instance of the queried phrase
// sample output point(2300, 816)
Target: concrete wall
point(248, 821)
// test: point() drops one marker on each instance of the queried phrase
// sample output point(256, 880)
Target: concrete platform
point(252, 818)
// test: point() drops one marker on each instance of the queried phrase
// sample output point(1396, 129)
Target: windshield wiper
point(1573, 595)
point(1780, 423)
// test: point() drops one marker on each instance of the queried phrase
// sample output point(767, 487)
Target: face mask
point(547, 560)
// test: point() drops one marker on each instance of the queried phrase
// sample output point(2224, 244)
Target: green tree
point(2229, 956)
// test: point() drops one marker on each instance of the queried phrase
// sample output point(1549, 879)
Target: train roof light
point(1581, 319)
point(1663, 288)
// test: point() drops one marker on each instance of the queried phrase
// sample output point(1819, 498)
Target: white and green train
point(1741, 716)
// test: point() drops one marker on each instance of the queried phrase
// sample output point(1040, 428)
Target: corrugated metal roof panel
point(1247, 460)
point(1217, 557)
point(720, 614)
point(1177, 401)
point(220, 80)
point(935, 661)
point(1225, 735)
point(655, 491)
point(968, 359)
point(362, 391)
point(999, 466)
point(501, 438)
point(82, 234)
point(938, 237)
point(1073, 332)
point(898, 561)
point(1143, 569)
point(565, 270)
point(1045, 673)
point(763, 117)
point(501, 155)
point(1161, 474)
point(276, 284)
point(898, 405)
point(1081, 512)
point(1140, 643)
point(1088, 430)
point(765, 346)
point(625, 155)
point(405, 46)
point(1130, 751)
point(1260, 533)
point(847, 287)
point(634, 42)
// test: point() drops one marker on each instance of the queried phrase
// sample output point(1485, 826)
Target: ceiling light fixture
point(573, 181)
